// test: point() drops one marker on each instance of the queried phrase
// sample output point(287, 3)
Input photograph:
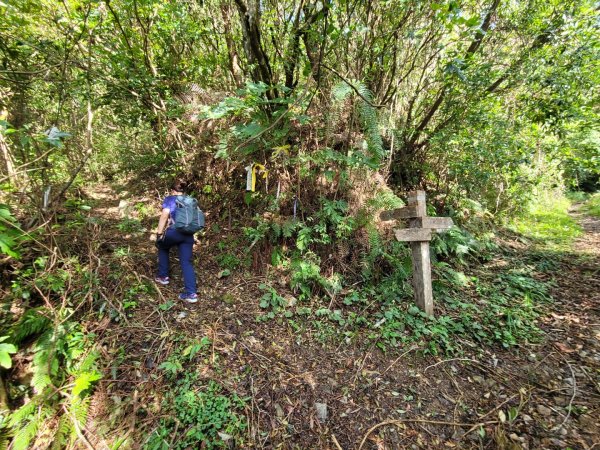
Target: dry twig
point(449, 360)
point(434, 422)
point(570, 406)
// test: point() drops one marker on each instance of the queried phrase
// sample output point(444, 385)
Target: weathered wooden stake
point(419, 234)
point(421, 261)
point(422, 276)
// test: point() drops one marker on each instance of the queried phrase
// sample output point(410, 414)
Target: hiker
point(166, 237)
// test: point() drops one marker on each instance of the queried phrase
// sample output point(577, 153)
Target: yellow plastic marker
point(251, 175)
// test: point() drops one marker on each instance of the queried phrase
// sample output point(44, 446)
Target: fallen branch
point(335, 442)
point(449, 360)
point(570, 406)
point(399, 358)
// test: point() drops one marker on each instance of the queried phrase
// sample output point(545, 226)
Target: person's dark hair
point(179, 186)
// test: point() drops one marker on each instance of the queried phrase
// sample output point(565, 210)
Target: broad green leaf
point(5, 360)
point(84, 381)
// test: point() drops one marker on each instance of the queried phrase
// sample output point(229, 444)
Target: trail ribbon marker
point(418, 233)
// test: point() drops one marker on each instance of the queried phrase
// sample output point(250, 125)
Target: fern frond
point(25, 434)
point(89, 362)
point(21, 414)
point(24, 412)
point(370, 122)
point(41, 370)
point(4, 439)
point(79, 409)
point(383, 199)
point(45, 361)
point(367, 113)
point(375, 241)
point(78, 412)
point(341, 91)
point(375, 250)
point(63, 433)
point(33, 322)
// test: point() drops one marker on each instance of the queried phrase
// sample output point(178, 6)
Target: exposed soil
point(541, 396)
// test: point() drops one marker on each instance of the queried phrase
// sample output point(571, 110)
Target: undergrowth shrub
point(472, 309)
point(200, 415)
point(10, 234)
point(63, 358)
point(47, 294)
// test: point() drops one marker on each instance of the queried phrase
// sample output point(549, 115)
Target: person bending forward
point(166, 238)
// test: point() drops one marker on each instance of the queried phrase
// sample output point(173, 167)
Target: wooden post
point(422, 276)
point(420, 256)
point(419, 234)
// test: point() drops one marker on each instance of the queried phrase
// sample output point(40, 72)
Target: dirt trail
point(552, 388)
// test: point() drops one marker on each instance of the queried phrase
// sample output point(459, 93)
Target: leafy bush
point(271, 300)
point(9, 232)
point(204, 416)
point(128, 225)
point(63, 355)
point(228, 261)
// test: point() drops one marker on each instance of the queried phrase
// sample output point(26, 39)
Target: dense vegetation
point(489, 106)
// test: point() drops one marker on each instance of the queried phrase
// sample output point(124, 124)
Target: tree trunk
point(234, 60)
point(257, 57)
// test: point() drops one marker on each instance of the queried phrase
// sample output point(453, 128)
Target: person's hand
point(159, 239)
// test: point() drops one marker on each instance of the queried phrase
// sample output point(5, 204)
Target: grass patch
point(548, 222)
point(592, 205)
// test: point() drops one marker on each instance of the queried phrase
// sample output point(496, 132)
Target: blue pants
point(185, 244)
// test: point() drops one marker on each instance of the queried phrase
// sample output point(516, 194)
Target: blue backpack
point(189, 218)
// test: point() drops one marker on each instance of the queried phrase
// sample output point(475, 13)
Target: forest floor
point(301, 390)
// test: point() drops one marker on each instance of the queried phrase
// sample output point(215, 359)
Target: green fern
point(25, 434)
point(4, 439)
point(24, 412)
point(33, 322)
point(63, 433)
point(382, 200)
point(367, 113)
point(79, 408)
point(45, 361)
point(370, 123)
point(58, 352)
point(341, 91)
point(5, 433)
point(375, 250)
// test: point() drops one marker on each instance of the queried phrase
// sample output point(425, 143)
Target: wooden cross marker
point(419, 234)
